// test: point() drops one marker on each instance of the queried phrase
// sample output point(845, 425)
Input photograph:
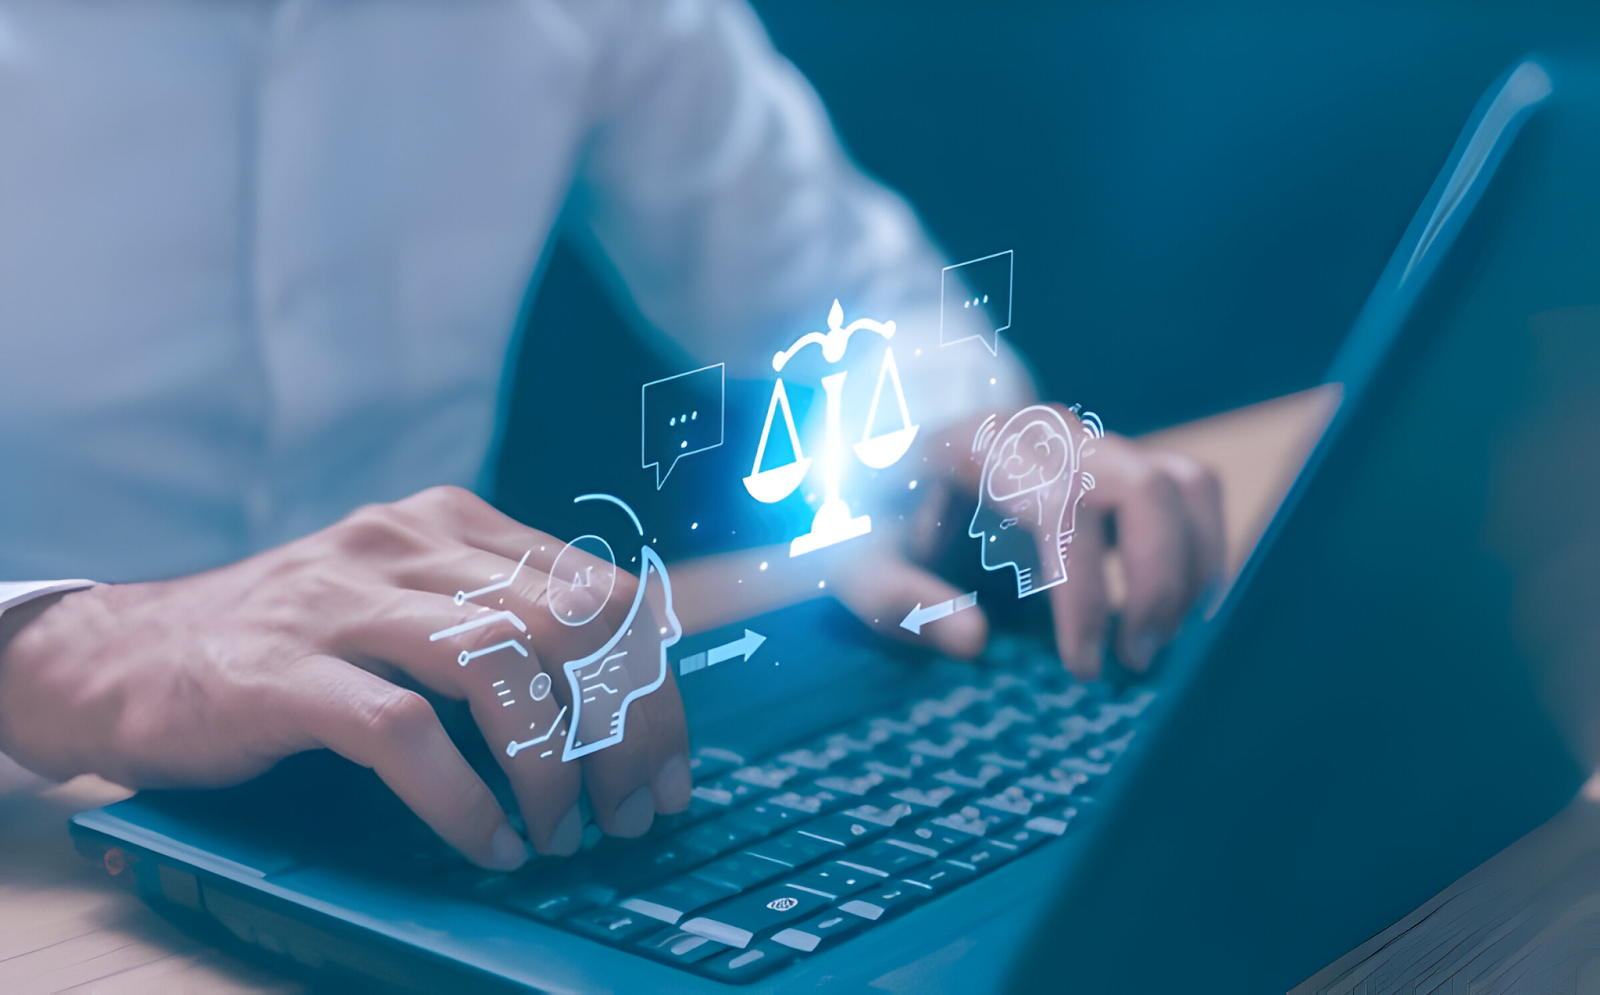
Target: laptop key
point(552, 904)
point(770, 776)
point(887, 858)
point(612, 924)
point(987, 855)
point(836, 879)
point(973, 775)
point(931, 836)
point(670, 902)
point(719, 836)
point(841, 829)
point(793, 848)
point(742, 871)
point(941, 876)
point(855, 787)
point(740, 966)
point(712, 762)
point(811, 803)
point(677, 947)
point(885, 816)
point(765, 818)
point(976, 821)
point(888, 898)
point(740, 920)
point(630, 869)
point(929, 798)
point(820, 931)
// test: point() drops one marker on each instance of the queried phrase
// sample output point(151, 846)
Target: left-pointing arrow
point(920, 616)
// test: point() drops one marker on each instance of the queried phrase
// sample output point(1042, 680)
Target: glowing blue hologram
point(514, 747)
point(579, 590)
point(920, 616)
point(833, 521)
point(975, 300)
point(679, 416)
point(616, 501)
point(539, 687)
point(478, 623)
point(631, 664)
point(745, 646)
point(1029, 492)
point(462, 597)
point(467, 657)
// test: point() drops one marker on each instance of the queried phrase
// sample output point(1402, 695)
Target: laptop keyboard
point(785, 856)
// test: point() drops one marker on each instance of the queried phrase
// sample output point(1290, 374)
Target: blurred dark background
point(1199, 198)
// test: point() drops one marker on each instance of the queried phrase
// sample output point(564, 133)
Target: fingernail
point(1145, 645)
point(671, 785)
point(568, 835)
point(506, 849)
point(635, 813)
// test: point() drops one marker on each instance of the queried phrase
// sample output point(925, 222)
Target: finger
point(629, 726)
point(395, 732)
point(459, 514)
point(1080, 607)
point(524, 721)
point(1202, 498)
point(888, 593)
point(1157, 542)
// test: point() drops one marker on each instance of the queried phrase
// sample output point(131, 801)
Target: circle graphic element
point(579, 585)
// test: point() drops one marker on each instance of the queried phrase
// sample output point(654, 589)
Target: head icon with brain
point(1031, 485)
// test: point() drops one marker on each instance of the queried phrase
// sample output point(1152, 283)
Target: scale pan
point(882, 451)
point(772, 486)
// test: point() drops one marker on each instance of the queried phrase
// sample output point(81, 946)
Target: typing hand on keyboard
point(209, 680)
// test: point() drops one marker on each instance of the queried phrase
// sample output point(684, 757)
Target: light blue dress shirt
point(261, 260)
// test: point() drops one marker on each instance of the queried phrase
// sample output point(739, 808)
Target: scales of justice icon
point(833, 522)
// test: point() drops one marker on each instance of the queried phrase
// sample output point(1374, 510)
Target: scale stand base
point(832, 524)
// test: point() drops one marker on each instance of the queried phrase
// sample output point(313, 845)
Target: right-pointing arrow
point(920, 616)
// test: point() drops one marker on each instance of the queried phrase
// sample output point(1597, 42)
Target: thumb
point(889, 586)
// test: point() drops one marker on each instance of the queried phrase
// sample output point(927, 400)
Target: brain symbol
point(1027, 461)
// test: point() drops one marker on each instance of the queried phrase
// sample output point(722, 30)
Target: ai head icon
point(1029, 492)
point(631, 664)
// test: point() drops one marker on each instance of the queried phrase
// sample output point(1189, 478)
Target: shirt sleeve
point(14, 593)
point(717, 190)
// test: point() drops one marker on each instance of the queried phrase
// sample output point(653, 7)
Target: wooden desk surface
point(66, 926)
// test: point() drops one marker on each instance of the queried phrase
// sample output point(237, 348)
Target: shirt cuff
point(19, 592)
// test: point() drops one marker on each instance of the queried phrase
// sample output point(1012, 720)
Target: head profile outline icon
point(631, 664)
point(1029, 491)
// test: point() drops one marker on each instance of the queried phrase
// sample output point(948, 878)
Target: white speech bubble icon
point(975, 300)
point(679, 416)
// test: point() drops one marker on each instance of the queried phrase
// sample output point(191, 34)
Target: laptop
point(1352, 726)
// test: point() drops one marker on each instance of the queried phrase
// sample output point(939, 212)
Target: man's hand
point(1167, 514)
point(209, 680)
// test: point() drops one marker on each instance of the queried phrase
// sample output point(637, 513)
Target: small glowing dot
point(671, 422)
point(741, 580)
point(684, 444)
point(991, 381)
point(763, 564)
point(912, 485)
point(991, 538)
point(694, 416)
point(822, 584)
point(986, 298)
point(694, 525)
point(663, 630)
point(917, 353)
point(966, 303)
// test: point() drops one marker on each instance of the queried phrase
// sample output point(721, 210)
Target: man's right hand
point(209, 680)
